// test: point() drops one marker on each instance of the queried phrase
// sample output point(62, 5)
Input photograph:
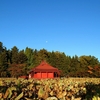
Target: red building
point(44, 70)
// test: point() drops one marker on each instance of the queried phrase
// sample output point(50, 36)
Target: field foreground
point(50, 89)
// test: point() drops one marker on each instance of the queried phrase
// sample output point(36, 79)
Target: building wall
point(43, 75)
point(38, 75)
point(51, 75)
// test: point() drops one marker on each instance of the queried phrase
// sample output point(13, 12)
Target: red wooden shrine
point(44, 70)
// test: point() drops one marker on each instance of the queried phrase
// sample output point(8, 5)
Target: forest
point(15, 62)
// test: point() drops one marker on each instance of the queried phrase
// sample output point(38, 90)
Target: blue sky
point(70, 26)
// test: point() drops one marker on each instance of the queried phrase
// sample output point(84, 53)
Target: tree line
point(15, 62)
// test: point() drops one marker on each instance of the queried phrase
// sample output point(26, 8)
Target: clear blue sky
point(70, 26)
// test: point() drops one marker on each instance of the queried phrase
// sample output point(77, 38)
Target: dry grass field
point(50, 89)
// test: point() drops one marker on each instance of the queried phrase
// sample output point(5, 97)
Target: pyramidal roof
point(44, 65)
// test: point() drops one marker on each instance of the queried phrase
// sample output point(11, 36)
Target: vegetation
point(15, 62)
point(50, 89)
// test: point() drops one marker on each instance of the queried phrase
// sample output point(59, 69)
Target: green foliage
point(14, 54)
point(3, 61)
point(17, 62)
point(22, 58)
point(1, 47)
point(75, 64)
point(29, 54)
point(92, 90)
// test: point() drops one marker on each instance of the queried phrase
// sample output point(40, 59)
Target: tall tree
point(29, 54)
point(75, 64)
point(41, 55)
point(86, 61)
point(1, 47)
point(14, 54)
point(22, 58)
point(3, 63)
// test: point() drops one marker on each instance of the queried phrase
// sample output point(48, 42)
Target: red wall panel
point(38, 75)
point(50, 75)
point(44, 75)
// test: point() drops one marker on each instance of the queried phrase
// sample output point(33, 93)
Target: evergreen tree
point(29, 54)
point(3, 61)
point(22, 58)
point(14, 54)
